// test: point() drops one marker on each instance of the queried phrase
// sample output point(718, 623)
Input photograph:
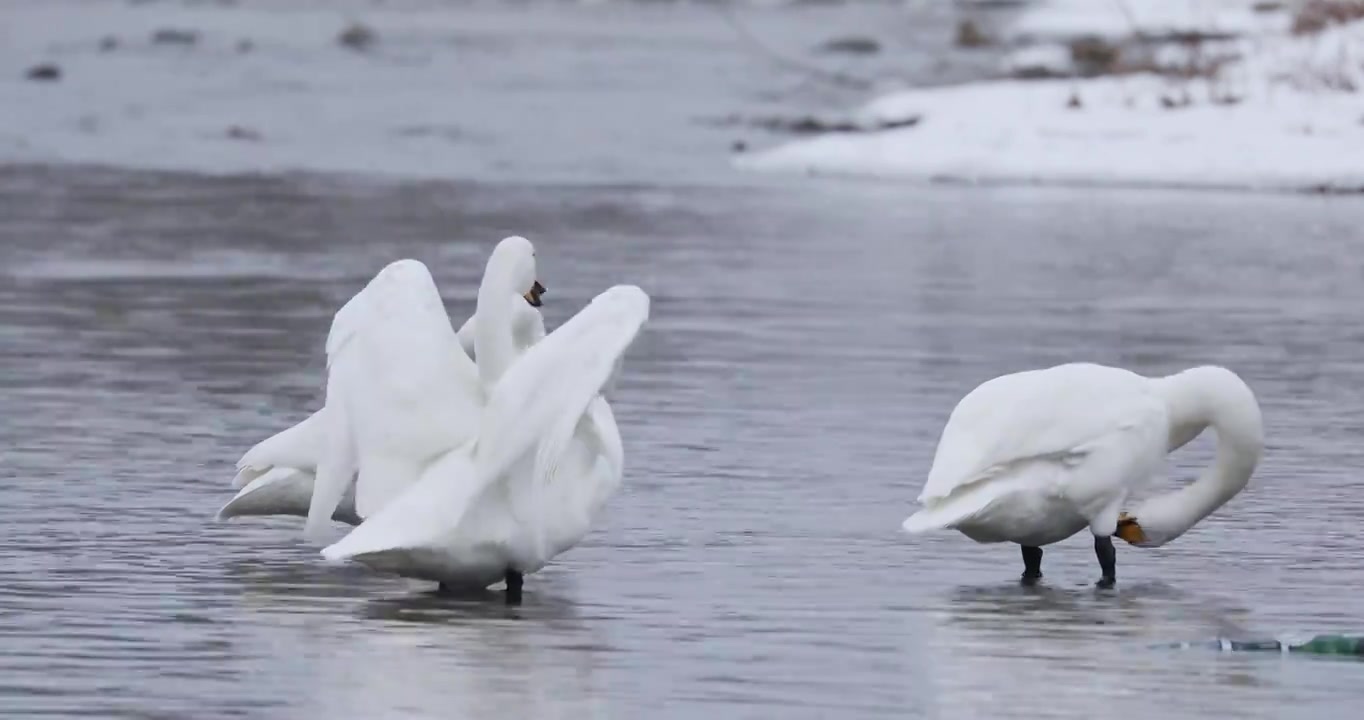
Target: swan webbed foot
point(1108, 562)
point(1032, 565)
point(514, 582)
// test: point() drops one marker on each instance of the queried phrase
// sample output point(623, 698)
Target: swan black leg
point(514, 582)
point(1032, 564)
point(1108, 561)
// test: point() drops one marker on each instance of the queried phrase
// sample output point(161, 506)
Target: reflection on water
point(779, 414)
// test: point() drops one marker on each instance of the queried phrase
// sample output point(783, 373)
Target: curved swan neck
point(1195, 400)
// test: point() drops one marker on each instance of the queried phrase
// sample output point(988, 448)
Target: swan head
point(513, 262)
point(1197, 399)
point(1131, 531)
point(533, 295)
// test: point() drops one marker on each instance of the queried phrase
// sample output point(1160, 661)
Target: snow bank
point(1288, 117)
point(1113, 19)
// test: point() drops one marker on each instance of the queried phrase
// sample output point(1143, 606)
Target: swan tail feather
point(961, 505)
point(282, 491)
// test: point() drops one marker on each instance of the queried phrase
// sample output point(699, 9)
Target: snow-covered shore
point(1287, 114)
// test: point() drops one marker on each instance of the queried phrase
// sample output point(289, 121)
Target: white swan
point(1035, 457)
point(546, 457)
point(277, 476)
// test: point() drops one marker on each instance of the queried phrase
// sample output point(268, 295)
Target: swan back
point(1049, 413)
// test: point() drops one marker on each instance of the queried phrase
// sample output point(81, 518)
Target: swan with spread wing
point(545, 457)
point(1035, 457)
point(412, 366)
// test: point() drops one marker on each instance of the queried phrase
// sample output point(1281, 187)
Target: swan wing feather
point(297, 447)
point(400, 386)
point(1058, 415)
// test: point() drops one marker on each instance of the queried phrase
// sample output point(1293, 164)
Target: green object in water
point(1319, 645)
point(1331, 645)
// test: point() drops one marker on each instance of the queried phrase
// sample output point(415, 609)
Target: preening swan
point(547, 455)
point(1035, 457)
point(409, 363)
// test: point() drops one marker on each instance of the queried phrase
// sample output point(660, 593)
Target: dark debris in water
point(246, 134)
point(812, 125)
point(857, 45)
point(1334, 189)
point(175, 36)
point(444, 132)
point(44, 72)
point(358, 37)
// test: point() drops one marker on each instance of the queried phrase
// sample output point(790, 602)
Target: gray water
point(779, 414)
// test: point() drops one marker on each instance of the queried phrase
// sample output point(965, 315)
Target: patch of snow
point(1039, 60)
point(1122, 18)
point(1289, 116)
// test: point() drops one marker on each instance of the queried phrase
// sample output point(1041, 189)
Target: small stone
point(738, 146)
point(1074, 102)
point(108, 44)
point(245, 46)
point(44, 72)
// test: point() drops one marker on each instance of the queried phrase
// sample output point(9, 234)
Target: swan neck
point(1198, 399)
point(494, 348)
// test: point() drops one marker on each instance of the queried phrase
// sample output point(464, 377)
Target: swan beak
point(1130, 530)
point(533, 297)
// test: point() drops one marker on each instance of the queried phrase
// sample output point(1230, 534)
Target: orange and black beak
point(1130, 530)
point(533, 296)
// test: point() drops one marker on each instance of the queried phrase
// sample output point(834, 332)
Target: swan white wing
point(608, 444)
point(538, 402)
point(283, 491)
point(1059, 415)
point(466, 336)
point(401, 388)
point(336, 466)
point(297, 447)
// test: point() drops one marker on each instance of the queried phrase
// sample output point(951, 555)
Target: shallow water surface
point(779, 412)
point(779, 415)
